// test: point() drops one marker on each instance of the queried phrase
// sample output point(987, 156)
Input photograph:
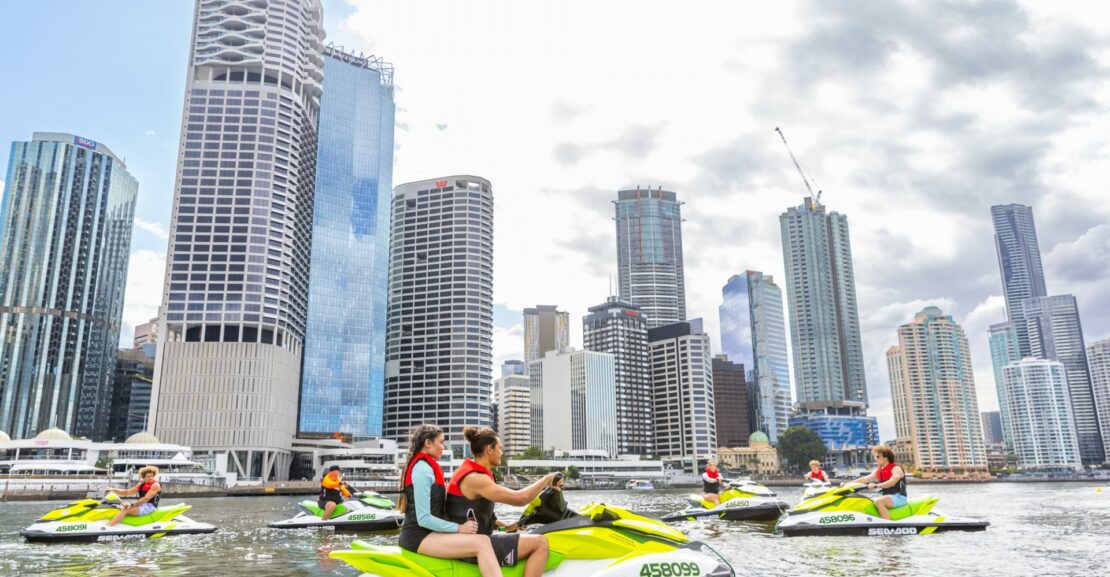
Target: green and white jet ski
point(744, 500)
point(845, 511)
point(367, 511)
point(87, 520)
point(815, 487)
point(604, 541)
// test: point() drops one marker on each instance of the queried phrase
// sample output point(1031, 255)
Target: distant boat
point(639, 485)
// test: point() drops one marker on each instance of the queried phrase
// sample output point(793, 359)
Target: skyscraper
point(514, 412)
point(573, 396)
point(753, 333)
point(131, 395)
point(730, 403)
point(1004, 350)
point(682, 384)
point(513, 367)
point(649, 254)
point(620, 329)
point(992, 426)
point(1055, 333)
point(1039, 406)
point(933, 381)
point(439, 343)
point(824, 319)
point(1019, 261)
point(1098, 359)
point(545, 329)
point(344, 351)
point(65, 238)
point(227, 376)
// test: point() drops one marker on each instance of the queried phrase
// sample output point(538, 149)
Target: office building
point(1039, 404)
point(1098, 359)
point(932, 384)
point(573, 400)
point(545, 329)
point(343, 374)
point(513, 367)
point(992, 427)
point(846, 431)
point(649, 254)
point(730, 403)
point(1019, 262)
point(620, 329)
point(682, 395)
point(131, 395)
point(145, 334)
point(439, 343)
point(1055, 333)
point(1004, 350)
point(824, 318)
point(514, 413)
point(753, 333)
point(65, 238)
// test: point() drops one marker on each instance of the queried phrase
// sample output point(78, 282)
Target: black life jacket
point(329, 493)
point(144, 488)
point(883, 474)
point(707, 487)
point(458, 506)
point(411, 531)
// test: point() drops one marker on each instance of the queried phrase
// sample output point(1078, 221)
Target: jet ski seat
point(159, 514)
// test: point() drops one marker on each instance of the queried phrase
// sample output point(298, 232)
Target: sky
point(912, 118)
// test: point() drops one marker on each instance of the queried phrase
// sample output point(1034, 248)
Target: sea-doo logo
point(837, 519)
point(69, 528)
point(881, 531)
point(670, 570)
point(363, 517)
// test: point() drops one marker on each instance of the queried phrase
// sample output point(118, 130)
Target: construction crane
point(817, 199)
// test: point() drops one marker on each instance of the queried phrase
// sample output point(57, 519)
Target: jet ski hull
point(760, 512)
point(878, 527)
point(359, 522)
point(89, 531)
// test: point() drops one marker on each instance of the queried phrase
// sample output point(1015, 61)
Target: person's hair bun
point(470, 433)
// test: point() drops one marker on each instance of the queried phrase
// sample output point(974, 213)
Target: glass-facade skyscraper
point(1098, 359)
point(227, 376)
point(1019, 262)
point(649, 254)
point(65, 239)
point(344, 351)
point(753, 332)
point(439, 337)
point(1004, 350)
point(1055, 333)
point(824, 317)
point(1040, 409)
point(546, 328)
point(619, 328)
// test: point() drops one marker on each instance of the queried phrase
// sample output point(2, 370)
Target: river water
point(1036, 529)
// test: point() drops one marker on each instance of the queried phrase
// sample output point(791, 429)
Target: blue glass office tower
point(753, 332)
point(650, 272)
point(1019, 262)
point(344, 355)
point(65, 239)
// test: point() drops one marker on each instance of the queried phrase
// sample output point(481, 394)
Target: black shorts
point(324, 500)
point(506, 547)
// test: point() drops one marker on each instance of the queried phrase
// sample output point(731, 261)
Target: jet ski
point(366, 512)
point(87, 520)
point(744, 500)
point(846, 511)
point(815, 487)
point(603, 541)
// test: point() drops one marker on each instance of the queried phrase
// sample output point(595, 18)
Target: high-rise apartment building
point(649, 254)
point(824, 318)
point(730, 403)
point(1055, 333)
point(933, 387)
point(1098, 360)
point(343, 373)
point(439, 338)
point(620, 329)
point(682, 385)
point(1004, 350)
point(227, 376)
point(573, 396)
point(753, 333)
point(1039, 405)
point(65, 238)
point(514, 413)
point(992, 427)
point(1019, 262)
point(145, 334)
point(546, 328)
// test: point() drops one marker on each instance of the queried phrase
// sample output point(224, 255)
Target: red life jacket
point(818, 476)
point(436, 469)
point(468, 466)
point(458, 506)
point(714, 474)
point(883, 474)
point(144, 488)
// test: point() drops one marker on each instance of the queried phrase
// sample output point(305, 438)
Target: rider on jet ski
point(549, 507)
point(472, 496)
point(888, 478)
point(711, 483)
point(147, 490)
point(815, 473)
point(332, 492)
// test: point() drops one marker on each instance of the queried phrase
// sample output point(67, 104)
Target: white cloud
point(146, 273)
point(154, 228)
point(150, 133)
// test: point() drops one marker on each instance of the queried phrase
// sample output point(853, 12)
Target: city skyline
point(735, 180)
